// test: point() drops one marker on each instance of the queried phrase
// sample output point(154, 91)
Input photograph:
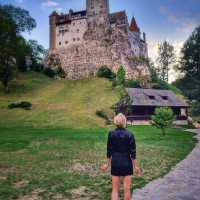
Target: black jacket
point(121, 140)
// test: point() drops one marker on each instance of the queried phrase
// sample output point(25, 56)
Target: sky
point(171, 20)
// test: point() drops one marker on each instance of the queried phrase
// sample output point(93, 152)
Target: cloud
point(185, 20)
point(49, 4)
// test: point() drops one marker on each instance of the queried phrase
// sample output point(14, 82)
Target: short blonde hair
point(120, 120)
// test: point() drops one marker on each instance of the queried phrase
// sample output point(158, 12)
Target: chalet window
point(151, 97)
point(165, 97)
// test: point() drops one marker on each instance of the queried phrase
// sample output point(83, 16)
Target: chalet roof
point(117, 16)
point(153, 97)
point(133, 26)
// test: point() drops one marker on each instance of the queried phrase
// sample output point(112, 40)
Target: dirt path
point(182, 183)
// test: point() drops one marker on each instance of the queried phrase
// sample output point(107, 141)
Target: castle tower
point(97, 7)
point(134, 27)
point(52, 22)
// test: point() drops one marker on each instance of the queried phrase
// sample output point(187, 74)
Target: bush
point(163, 118)
point(105, 72)
point(49, 72)
point(120, 76)
point(132, 84)
point(24, 104)
point(103, 115)
point(53, 72)
point(195, 108)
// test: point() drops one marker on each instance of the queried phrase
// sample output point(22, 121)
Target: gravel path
point(182, 183)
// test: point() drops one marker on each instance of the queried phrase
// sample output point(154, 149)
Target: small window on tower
point(59, 43)
point(151, 97)
point(66, 42)
point(165, 97)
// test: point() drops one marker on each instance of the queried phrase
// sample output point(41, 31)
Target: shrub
point(49, 72)
point(24, 104)
point(195, 108)
point(120, 76)
point(103, 115)
point(132, 84)
point(105, 72)
point(163, 118)
point(53, 72)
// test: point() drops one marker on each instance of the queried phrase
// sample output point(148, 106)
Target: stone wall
point(71, 33)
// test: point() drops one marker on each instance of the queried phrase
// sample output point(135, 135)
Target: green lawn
point(55, 162)
point(54, 151)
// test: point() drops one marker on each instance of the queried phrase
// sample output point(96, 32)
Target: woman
point(121, 154)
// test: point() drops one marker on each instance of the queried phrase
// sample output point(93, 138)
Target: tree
point(120, 78)
point(166, 57)
point(190, 67)
point(13, 22)
point(163, 118)
point(37, 52)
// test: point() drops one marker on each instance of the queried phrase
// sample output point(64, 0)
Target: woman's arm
point(133, 156)
point(109, 153)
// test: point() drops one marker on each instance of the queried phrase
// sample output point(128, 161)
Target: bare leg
point(127, 188)
point(115, 187)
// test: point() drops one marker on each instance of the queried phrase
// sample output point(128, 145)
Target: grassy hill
point(55, 150)
point(57, 103)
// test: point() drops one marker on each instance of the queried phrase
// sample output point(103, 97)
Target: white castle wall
point(72, 33)
point(138, 47)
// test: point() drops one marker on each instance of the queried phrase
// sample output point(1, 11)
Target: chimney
point(144, 36)
point(52, 24)
point(71, 12)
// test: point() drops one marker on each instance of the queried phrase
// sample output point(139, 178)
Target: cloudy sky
point(171, 20)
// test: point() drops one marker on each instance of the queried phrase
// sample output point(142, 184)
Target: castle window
point(78, 30)
point(78, 39)
point(74, 39)
point(151, 97)
point(66, 42)
point(165, 97)
point(73, 24)
point(59, 43)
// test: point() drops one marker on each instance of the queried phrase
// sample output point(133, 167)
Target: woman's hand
point(137, 171)
point(104, 167)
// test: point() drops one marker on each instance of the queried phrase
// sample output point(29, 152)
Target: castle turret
point(134, 27)
point(96, 7)
point(52, 22)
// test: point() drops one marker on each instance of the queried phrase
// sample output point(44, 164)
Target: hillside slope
point(57, 103)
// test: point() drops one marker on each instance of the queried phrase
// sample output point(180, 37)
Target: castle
point(81, 42)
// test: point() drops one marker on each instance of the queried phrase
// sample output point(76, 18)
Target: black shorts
point(121, 164)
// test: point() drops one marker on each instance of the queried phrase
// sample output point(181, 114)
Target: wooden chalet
point(145, 101)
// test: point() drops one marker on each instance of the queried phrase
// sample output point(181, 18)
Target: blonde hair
point(120, 120)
